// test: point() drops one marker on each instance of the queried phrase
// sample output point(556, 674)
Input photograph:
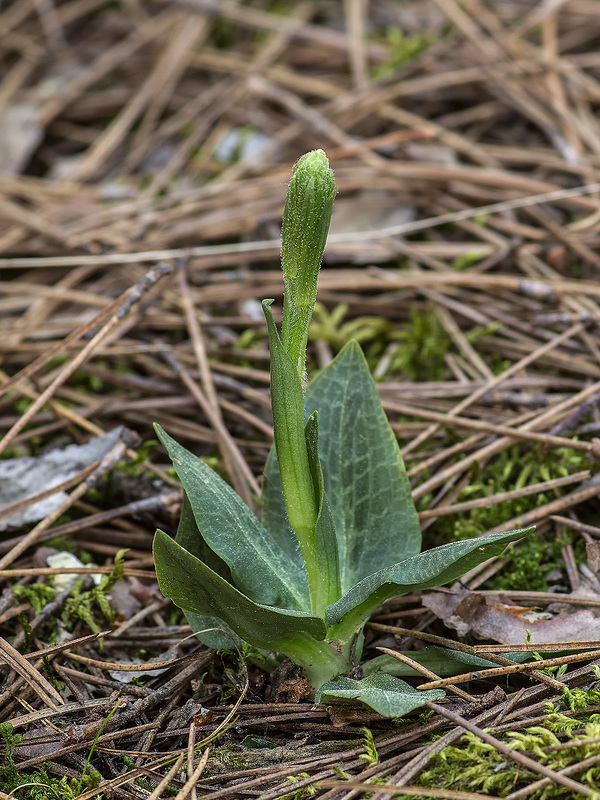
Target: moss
point(249, 338)
point(466, 260)
point(137, 466)
point(51, 675)
point(516, 467)
point(40, 785)
point(476, 766)
point(333, 327)
point(371, 756)
point(80, 605)
point(303, 792)
point(64, 542)
point(38, 594)
point(422, 348)
point(224, 33)
point(228, 755)
point(579, 699)
point(8, 770)
point(88, 383)
point(403, 48)
point(529, 564)
point(480, 331)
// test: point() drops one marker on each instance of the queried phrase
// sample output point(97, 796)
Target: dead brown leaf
point(507, 623)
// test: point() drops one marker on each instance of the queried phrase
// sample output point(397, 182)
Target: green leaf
point(328, 586)
point(274, 516)
point(440, 660)
point(365, 479)
point(297, 479)
point(217, 639)
point(191, 539)
point(194, 587)
point(385, 694)
point(424, 571)
point(259, 567)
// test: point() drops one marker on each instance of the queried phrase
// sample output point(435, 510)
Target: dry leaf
point(21, 478)
point(19, 136)
point(592, 551)
point(504, 622)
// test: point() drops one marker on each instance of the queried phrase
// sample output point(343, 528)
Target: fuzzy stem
point(306, 218)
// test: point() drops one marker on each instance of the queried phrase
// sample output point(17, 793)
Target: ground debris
point(144, 150)
point(509, 623)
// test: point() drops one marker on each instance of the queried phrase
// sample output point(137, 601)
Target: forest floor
point(145, 149)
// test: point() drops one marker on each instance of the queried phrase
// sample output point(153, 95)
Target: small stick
point(167, 778)
point(501, 497)
point(158, 501)
point(578, 766)
point(37, 571)
point(40, 685)
point(147, 666)
point(272, 245)
point(189, 788)
point(61, 346)
point(445, 794)
point(497, 446)
point(515, 755)
point(536, 648)
point(487, 427)
point(513, 669)
point(60, 648)
point(241, 475)
point(131, 297)
point(464, 648)
point(578, 526)
point(423, 670)
point(583, 492)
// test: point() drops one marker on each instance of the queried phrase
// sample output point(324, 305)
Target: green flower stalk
point(306, 219)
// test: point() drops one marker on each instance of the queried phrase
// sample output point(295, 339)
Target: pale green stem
point(321, 661)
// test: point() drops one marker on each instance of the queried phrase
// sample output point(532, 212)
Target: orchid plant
point(339, 532)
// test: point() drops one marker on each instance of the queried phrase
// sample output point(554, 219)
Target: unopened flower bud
point(306, 219)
